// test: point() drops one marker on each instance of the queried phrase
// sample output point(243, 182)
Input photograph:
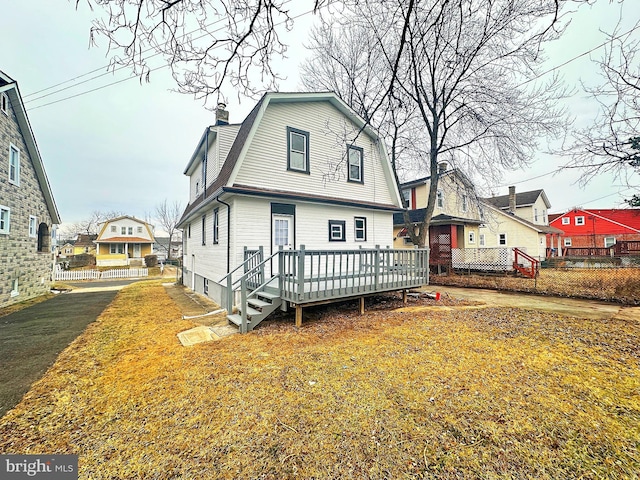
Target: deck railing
point(307, 276)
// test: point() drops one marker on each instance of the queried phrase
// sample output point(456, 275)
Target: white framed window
point(216, 229)
point(545, 218)
point(116, 248)
point(139, 230)
point(579, 220)
point(566, 242)
point(355, 157)
point(297, 150)
point(123, 230)
point(5, 219)
point(481, 239)
point(407, 241)
point(204, 229)
point(502, 239)
point(360, 229)
point(464, 203)
point(566, 221)
point(205, 289)
point(472, 237)
point(197, 188)
point(114, 228)
point(15, 288)
point(609, 242)
point(440, 199)
point(336, 231)
point(33, 226)
point(189, 230)
point(14, 164)
point(4, 103)
point(406, 195)
point(130, 231)
point(535, 214)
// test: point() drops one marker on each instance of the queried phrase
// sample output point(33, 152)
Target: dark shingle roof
point(522, 199)
point(417, 215)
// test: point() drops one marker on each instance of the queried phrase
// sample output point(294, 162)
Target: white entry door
point(282, 227)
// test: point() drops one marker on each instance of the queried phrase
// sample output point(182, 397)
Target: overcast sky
point(124, 147)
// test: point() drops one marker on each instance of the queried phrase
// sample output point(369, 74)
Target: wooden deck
point(307, 277)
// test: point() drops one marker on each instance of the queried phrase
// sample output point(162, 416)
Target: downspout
point(228, 232)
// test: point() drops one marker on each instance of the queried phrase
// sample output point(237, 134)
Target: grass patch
point(27, 303)
point(423, 393)
point(609, 284)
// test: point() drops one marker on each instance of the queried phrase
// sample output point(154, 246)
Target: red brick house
point(597, 228)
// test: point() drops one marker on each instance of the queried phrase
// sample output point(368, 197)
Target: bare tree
point(466, 74)
point(205, 42)
point(612, 143)
point(89, 226)
point(168, 216)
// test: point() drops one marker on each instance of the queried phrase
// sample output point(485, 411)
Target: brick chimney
point(222, 116)
point(512, 199)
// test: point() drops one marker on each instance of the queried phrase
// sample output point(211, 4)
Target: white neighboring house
point(519, 220)
point(301, 169)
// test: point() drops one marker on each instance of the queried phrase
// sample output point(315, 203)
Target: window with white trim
point(4, 103)
point(566, 242)
point(337, 231)
point(116, 248)
point(472, 237)
point(123, 230)
point(297, 150)
point(609, 242)
point(130, 231)
point(205, 289)
point(216, 219)
point(440, 199)
point(5, 218)
point(502, 239)
point(139, 230)
point(360, 229)
point(114, 228)
point(464, 203)
point(355, 164)
point(204, 229)
point(481, 240)
point(579, 220)
point(14, 165)
point(33, 226)
point(15, 288)
point(535, 214)
point(566, 221)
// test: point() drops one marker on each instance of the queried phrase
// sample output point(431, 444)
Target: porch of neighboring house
point(119, 254)
point(302, 278)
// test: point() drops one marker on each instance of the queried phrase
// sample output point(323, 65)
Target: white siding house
point(301, 169)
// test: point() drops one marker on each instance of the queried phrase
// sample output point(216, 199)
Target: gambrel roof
point(10, 88)
point(225, 181)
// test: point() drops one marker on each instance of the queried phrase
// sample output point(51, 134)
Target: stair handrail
point(232, 286)
point(535, 263)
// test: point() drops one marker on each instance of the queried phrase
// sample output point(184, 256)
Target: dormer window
point(297, 150)
point(355, 164)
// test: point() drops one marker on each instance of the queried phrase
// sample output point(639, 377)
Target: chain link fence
point(605, 278)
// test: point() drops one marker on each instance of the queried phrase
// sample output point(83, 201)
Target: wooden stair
point(260, 305)
point(525, 265)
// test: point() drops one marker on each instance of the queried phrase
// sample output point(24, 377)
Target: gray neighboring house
point(28, 213)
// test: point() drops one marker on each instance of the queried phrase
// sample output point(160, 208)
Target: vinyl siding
point(210, 259)
point(265, 164)
point(224, 137)
point(518, 235)
point(195, 177)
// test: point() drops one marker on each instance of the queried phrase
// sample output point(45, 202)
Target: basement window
point(337, 231)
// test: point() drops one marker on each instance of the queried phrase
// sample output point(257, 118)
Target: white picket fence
point(62, 275)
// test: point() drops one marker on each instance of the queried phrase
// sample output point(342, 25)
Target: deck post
point(243, 304)
point(298, 316)
point(376, 262)
point(229, 295)
point(260, 259)
point(300, 277)
point(404, 296)
point(361, 305)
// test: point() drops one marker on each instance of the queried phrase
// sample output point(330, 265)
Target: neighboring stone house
point(28, 213)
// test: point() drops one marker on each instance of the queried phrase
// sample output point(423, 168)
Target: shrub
point(151, 260)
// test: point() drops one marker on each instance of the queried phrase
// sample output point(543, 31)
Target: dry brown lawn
point(426, 391)
point(609, 284)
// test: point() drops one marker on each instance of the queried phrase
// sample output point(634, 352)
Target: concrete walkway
point(564, 306)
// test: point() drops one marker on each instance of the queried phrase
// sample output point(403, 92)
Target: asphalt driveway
point(31, 339)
